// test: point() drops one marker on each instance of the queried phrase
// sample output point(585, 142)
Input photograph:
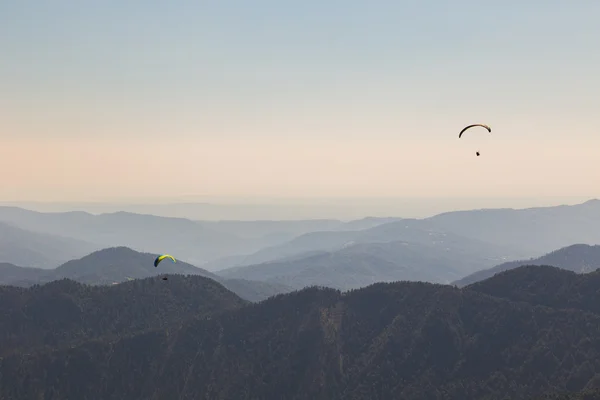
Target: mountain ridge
point(388, 340)
point(360, 265)
point(120, 264)
point(71, 312)
point(580, 258)
point(24, 247)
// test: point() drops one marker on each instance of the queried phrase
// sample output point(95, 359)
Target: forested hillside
point(66, 312)
point(390, 340)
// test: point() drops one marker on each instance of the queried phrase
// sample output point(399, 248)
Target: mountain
point(282, 234)
point(200, 242)
point(500, 233)
point(507, 234)
point(21, 247)
point(403, 340)
point(66, 312)
point(536, 230)
point(545, 285)
point(580, 258)
point(360, 265)
point(287, 230)
point(121, 264)
point(103, 267)
point(11, 274)
point(223, 209)
point(408, 230)
point(146, 233)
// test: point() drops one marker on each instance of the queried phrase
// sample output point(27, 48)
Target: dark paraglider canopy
point(471, 126)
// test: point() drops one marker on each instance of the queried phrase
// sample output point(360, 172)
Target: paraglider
point(162, 257)
point(471, 126)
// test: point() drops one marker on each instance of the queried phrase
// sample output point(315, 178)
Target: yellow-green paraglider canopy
point(162, 257)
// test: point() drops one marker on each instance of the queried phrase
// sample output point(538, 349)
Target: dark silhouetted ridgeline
point(66, 312)
point(386, 341)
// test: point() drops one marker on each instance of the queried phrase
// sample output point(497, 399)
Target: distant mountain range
point(362, 264)
point(350, 255)
point(40, 250)
point(352, 267)
point(525, 333)
point(346, 256)
point(197, 242)
point(409, 230)
point(537, 230)
point(580, 258)
point(495, 234)
point(359, 265)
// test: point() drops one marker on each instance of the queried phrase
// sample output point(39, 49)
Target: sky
point(306, 99)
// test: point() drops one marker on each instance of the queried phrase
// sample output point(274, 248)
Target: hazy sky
point(308, 98)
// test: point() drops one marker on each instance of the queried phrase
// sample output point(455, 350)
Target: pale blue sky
point(298, 98)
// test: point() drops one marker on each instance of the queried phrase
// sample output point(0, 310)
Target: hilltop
point(580, 258)
point(122, 264)
point(545, 285)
